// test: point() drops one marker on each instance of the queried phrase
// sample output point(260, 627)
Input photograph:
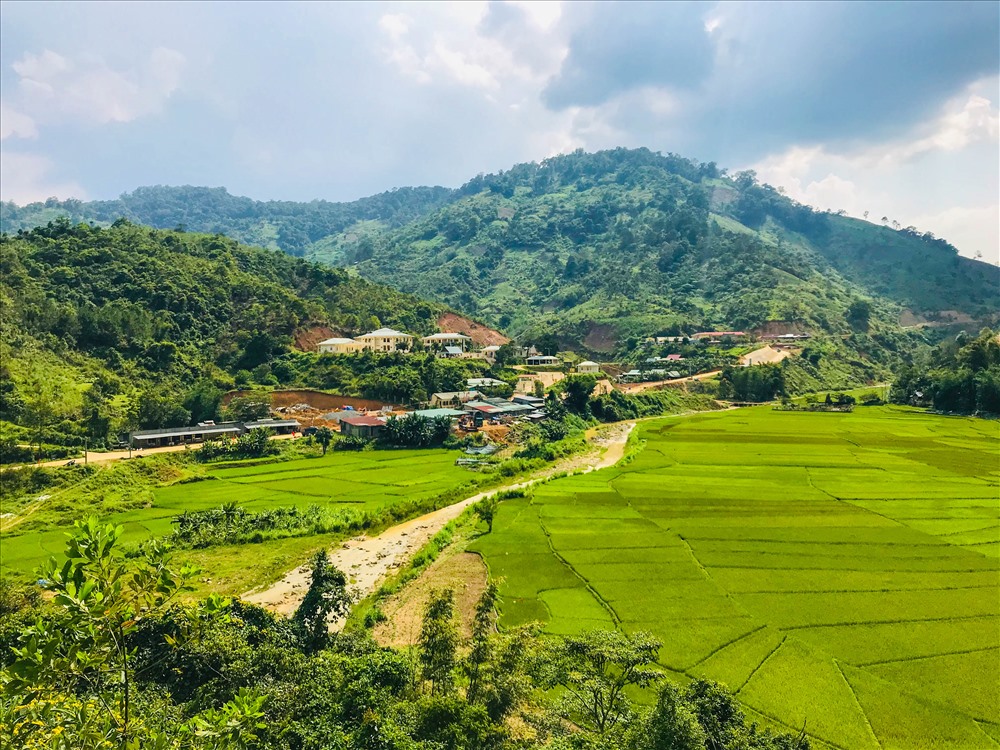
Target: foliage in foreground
point(114, 662)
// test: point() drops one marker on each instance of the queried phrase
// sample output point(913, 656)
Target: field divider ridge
point(757, 668)
point(854, 695)
point(925, 656)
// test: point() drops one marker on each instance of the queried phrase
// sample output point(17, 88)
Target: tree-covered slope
point(100, 321)
point(600, 249)
point(604, 247)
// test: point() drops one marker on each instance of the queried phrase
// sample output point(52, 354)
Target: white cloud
point(942, 178)
point(544, 14)
point(447, 43)
point(26, 178)
point(14, 124)
point(976, 228)
point(959, 126)
point(54, 88)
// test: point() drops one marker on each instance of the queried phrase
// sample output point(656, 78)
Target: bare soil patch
point(481, 335)
point(307, 339)
point(317, 400)
point(462, 572)
point(601, 338)
point(765, 356)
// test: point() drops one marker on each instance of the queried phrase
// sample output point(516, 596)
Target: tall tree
point(326, 600)
point(439, 642)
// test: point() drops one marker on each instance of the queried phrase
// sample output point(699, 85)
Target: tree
point(578, 389)
point(324, 435)
point(203, 401)
point(248, 407)
point(505, 355)
point(439, 642)
point(486, 509)
point(74, 671)
point(859, 314)
point(482, 628)
point(672, 724)
point(596, 668)
point(327, 599)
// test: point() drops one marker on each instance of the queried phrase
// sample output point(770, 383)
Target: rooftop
point(363, 421)
point(588, 362)
point(446, 337)
point(385, 333)
point(434, 413)
point(336, 341)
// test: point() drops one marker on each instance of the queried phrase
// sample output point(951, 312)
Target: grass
point(144, 496)
point(836, 569)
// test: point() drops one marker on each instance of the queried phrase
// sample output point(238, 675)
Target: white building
point(490, 352)
point(438, 340)
point(338, 346)
point(385, 340)
point(588, 367)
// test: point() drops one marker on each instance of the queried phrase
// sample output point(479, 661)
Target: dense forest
point(602, 250)
point(960, 376)
point(110, 329)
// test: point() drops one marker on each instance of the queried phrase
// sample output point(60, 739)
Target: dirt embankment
point(656, 385)
point(601, 338)
point(778, 328)
point(462, 572)
point(307, 339)
point(317, 400)
point(481, 335)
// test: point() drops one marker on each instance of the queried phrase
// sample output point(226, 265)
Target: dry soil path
point(368, 560)
point(108, 456)
point(653, 385)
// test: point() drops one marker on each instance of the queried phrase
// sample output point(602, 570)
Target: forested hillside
point(96, 324)
point(617, 245)
point(603, 249)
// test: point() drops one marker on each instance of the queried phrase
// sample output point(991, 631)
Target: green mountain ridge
point(599, 249)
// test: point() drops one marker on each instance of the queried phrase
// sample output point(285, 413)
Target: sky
point(884, 108)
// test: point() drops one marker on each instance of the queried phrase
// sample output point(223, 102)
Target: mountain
point(604, 249)
point(284, 225)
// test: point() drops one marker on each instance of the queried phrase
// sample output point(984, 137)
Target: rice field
point(839, 571)
point(365, 481)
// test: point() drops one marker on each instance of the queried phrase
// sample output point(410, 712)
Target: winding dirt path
point(368, 560)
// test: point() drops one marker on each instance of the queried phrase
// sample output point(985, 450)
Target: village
point(487, 404)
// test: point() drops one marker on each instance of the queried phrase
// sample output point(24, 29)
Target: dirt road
point(367, 560)
point(654, 385)
point(108, 456)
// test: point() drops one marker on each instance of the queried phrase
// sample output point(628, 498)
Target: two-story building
point(338, 346)
point(385, 340)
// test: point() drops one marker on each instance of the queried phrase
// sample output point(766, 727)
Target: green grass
point(835, 569)
point(145, 496)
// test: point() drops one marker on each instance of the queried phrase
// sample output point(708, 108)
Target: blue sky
point(890, 108)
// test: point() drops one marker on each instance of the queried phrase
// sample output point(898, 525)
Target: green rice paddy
point(839, 571)
point(366, 481)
